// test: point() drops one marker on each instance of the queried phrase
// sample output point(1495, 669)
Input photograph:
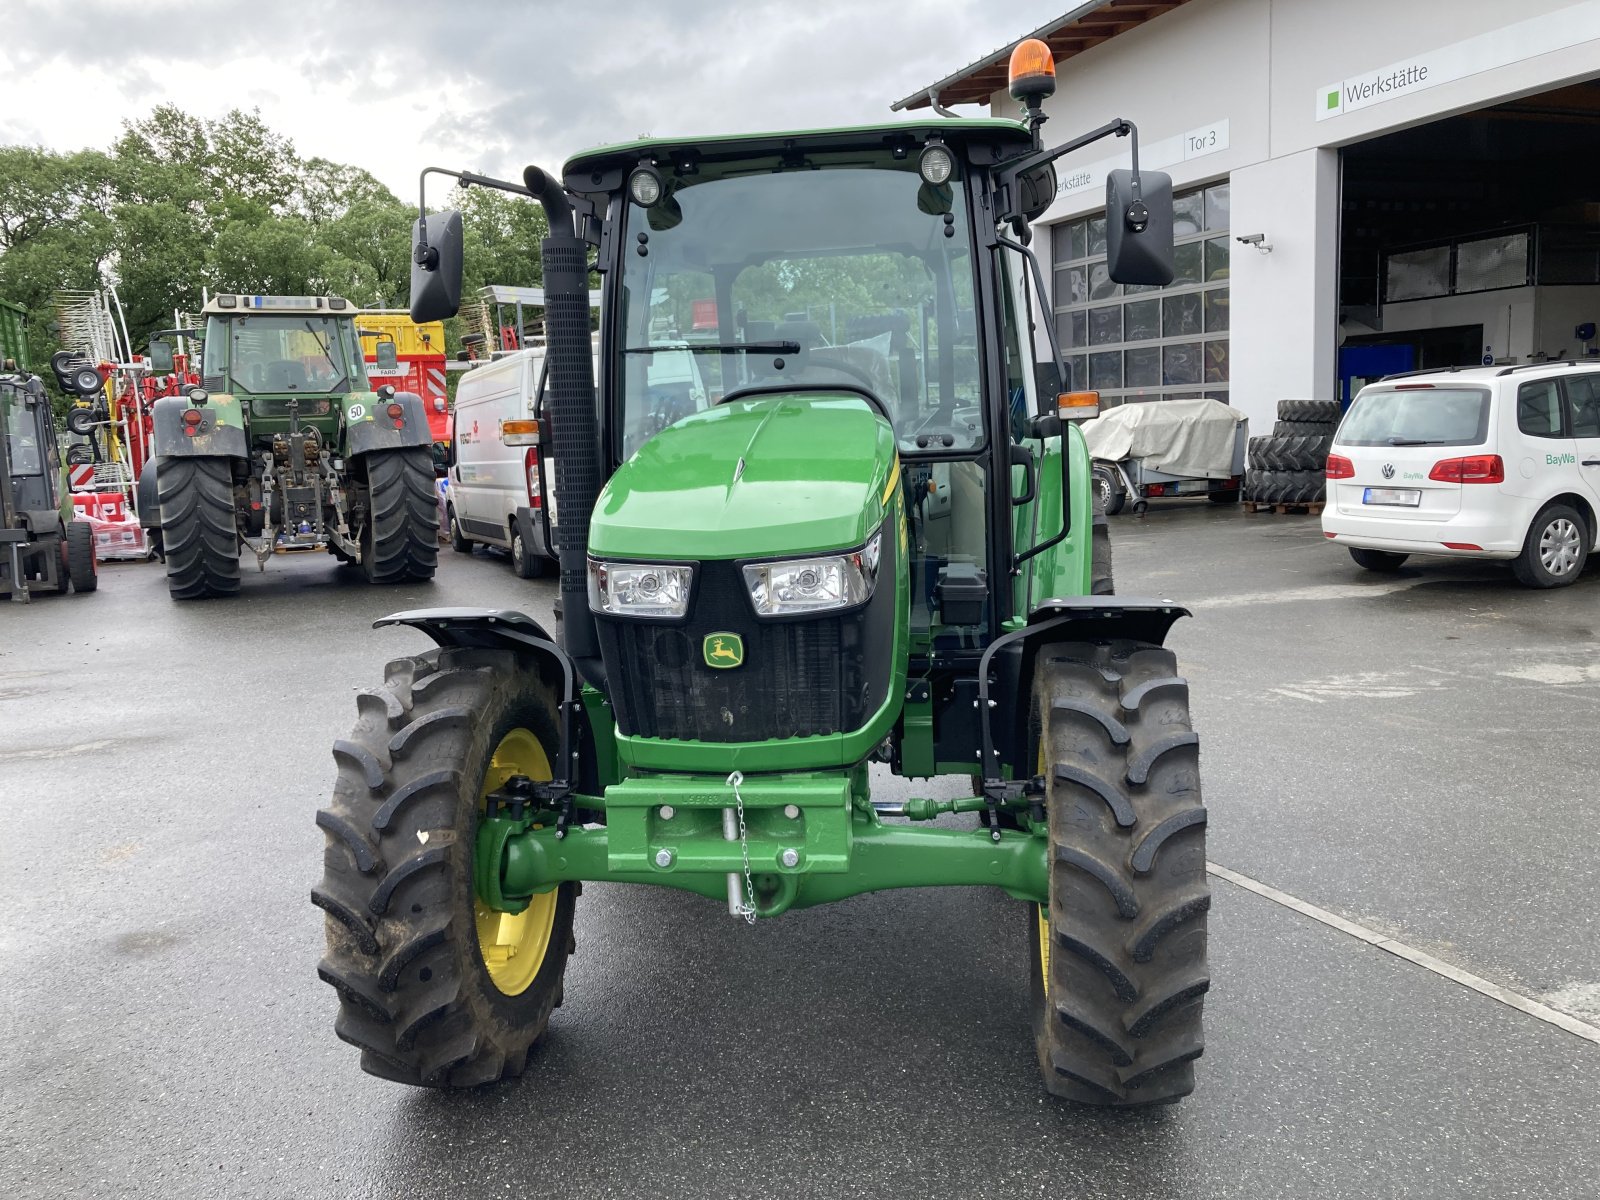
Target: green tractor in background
point(286, 447)
point(872, 543)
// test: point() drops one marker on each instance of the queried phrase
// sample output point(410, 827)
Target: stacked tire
point(1290, 466)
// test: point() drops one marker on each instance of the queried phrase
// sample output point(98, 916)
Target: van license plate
point(1400, 497)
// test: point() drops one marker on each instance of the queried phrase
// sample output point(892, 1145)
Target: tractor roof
point(1004, 134)
point(234, 303)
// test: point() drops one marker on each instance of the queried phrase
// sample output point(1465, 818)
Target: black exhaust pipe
point(570, 401)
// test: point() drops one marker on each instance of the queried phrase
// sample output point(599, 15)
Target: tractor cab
point(871, 542)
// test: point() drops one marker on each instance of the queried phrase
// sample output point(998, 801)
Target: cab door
point(1583, 416)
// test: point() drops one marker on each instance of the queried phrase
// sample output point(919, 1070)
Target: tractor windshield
point(760, 273)
point(283, 354)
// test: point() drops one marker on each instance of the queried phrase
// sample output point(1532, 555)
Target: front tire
point(458, 540)
point(1119, 955)
point(399, 543)
point(1555, 550)
point(81, 567)
point(435, 989)
point(199, 534)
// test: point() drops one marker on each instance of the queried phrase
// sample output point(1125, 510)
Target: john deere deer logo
point(724, 650)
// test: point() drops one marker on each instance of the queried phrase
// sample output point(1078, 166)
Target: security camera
point(1258, 240)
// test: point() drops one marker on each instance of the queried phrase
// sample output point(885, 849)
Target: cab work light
point(1474, 468)
point(645, 185)
point(935, 165)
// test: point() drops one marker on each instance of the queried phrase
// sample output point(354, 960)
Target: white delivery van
point(1491, 462)
point(497, 494)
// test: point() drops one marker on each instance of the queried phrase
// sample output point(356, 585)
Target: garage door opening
point(1472, 240)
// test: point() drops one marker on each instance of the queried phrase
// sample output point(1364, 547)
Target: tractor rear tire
point(405, 934)
point(1322, 411)
point(199, 535)
point(400, 543)
point(80, 557)
point(1101, 582)
point(1119, 956)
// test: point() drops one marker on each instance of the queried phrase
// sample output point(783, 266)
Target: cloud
point(486, 85)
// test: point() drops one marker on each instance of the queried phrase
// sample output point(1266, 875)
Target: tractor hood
point(772, 476)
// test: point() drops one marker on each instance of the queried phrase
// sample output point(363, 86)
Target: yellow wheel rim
point(1044, 909)
point(513, 945)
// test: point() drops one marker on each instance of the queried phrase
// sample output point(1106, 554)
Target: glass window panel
point(1078, 239)
point(1105, 370)
point(1217, 207)
point(1216, 259)
point(1139, 289)
point(1100, 285)
point(1097, 235)
point(1216, 306)
point(1072, 329)
point(1077, 371)
point(1186, 264)
point(1141, 320)
point(1060, 244)
point(1142, 366)
point(1217, 360)
point(1180, 315)
point(1188, 214)
point(1180, 364)
point(1105, 325)
point(1076, 282)
point(1218, 396)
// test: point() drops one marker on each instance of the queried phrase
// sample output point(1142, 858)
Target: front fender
point(368, 427)
point(220, 432)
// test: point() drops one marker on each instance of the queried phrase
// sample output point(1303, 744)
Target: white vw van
point(497, 494)
point(1490, 462)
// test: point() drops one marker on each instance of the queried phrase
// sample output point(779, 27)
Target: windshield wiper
point(718, 348)
point(321, 345)
point(1400, 441)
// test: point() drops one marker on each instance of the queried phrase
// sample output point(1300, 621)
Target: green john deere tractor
point(285, 447)
point(870, 541)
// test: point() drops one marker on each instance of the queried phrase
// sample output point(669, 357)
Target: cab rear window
point(1417, 416)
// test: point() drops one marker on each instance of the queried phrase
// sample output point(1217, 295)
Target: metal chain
point(748, 909)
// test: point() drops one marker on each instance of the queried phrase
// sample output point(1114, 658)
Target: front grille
point(800, 678)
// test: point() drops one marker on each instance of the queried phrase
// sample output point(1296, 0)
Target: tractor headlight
point(808, 585)
point(640, 589)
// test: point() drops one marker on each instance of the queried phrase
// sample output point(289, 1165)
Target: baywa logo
point(724, 650)
point(1388, 470)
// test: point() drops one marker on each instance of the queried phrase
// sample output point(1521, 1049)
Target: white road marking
point(1411, 954)
point(1324, 591)
point(1556, 674)
point(1364, 685)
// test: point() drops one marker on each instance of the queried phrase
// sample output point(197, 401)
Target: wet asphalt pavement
point(1413, 752)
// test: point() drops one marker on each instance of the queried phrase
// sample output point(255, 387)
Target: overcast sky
point(483, 85)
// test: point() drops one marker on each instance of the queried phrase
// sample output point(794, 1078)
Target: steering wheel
point(789, 389)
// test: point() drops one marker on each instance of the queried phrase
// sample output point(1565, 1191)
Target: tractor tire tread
point(402, 542)
point(1118, 1024)
point(402, 953)
point(199, 533)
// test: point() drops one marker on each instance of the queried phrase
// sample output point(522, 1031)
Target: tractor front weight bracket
point(807, 843)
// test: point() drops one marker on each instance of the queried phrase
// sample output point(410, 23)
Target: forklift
point(41, 545)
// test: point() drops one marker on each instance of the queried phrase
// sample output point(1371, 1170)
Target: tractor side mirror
point(161, 361)
point(1139, 227)
point(388, 357)
point(436, 264)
